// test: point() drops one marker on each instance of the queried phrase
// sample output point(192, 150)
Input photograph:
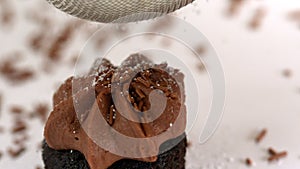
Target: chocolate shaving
point(14, 153)
point(261, 136)
point(277, 156)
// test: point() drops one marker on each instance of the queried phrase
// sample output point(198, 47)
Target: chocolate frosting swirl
point(138, 99)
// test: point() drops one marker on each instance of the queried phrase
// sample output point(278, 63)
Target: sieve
point(120, 11)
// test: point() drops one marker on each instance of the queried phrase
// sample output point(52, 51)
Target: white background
point(258, 95)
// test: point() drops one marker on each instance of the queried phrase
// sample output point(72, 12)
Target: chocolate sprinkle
point(261, 136)
point(277, 156)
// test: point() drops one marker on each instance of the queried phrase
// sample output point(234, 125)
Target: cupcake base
point(67, 159)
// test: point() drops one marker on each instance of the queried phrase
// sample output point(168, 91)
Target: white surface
point(258, 96)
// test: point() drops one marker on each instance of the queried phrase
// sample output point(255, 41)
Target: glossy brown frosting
point(75, 114)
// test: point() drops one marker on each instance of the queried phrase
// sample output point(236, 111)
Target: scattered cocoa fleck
point(7, 13)
point(261, 136)
point(36, 41)
point(287, 73)
point(14, 153)
point(235, 6)
point(11, 72)
point(38, 167)
point(294, 15)
point(73, 59)
point(189, 144)
point(161, 23)
point(16, 109)
point(200, 50)
point(201, 66)
point(60, 42)
point(41, 111)
point(166, 42)
point(277, 156)
point(1, 154)
point(21, 140)
point(100, 41)
point(257, 18)
point(19, 126)
point(249, 162)
point(1, 102)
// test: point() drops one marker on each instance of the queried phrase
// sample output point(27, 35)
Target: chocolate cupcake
point(130, 117)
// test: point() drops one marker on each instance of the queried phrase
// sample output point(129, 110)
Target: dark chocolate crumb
point(261, 136)
point(249, 162)
point(14, 153)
